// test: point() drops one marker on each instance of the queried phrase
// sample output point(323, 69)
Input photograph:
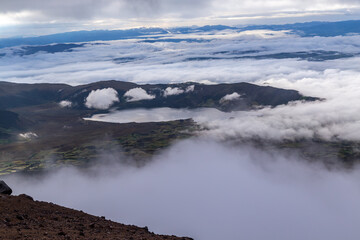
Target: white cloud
point(207, 82)
point(65, 104)
point(137, 94)
point(169, 91)
point(230, 97)
point(190, 88)
point(101, 98)
point(28, 135)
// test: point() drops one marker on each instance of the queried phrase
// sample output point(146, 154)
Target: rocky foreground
point(23, 218)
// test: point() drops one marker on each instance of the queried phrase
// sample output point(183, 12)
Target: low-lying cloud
point(169, 91)
point(230, 97)
point(27, 136)
point(65, 104)
point(165, 62)
point(190, 88)
point(101, 98)
point(328, 120)
point(160, 115)
point(137, 94)
point(206, 190)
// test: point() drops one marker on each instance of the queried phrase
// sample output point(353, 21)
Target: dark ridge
point(14, 95)
point(312, 56)
point(310, 29)
point(23, 95)
point(28, 50)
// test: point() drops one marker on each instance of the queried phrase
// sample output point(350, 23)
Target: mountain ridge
point(304, 29)
point(15, 95)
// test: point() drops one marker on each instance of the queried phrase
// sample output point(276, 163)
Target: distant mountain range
point(325, 29)
point(310, 29)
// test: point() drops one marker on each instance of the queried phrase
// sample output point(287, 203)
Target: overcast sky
point(49, 16)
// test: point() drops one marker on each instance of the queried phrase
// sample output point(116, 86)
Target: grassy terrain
point(331, 153)
point(89, 141)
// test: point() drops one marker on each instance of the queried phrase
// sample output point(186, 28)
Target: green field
point(137, 142)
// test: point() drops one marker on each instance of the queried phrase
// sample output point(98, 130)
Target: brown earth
point(23, 218)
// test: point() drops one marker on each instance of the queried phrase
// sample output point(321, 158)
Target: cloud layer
point(169, 62)
point(219, 60)
point(160, 115)
point(112, 12)
point(211, 191)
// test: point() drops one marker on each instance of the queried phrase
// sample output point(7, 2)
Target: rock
point(4, 188)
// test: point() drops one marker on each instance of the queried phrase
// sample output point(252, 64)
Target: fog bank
point(206, 190)
point(159, 115)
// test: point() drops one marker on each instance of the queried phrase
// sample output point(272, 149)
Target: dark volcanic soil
point(23, 218)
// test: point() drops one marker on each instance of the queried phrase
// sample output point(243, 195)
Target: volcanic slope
point(24, 218)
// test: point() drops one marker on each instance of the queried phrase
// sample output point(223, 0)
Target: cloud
point(190, 88)
point(27, 136)
point(65, 104)
point(137, 94)
point(103, 9)
point(230, 97)
point(165, 62)
point(169, 91)
point(212, 191)
point(329, 121)
point(101, 12)
point(159, 115)
point(207, 82)
point(101, 98)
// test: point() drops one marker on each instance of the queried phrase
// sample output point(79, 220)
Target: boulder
point(4, 188)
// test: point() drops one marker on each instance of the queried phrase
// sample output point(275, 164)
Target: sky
point(40, 17)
